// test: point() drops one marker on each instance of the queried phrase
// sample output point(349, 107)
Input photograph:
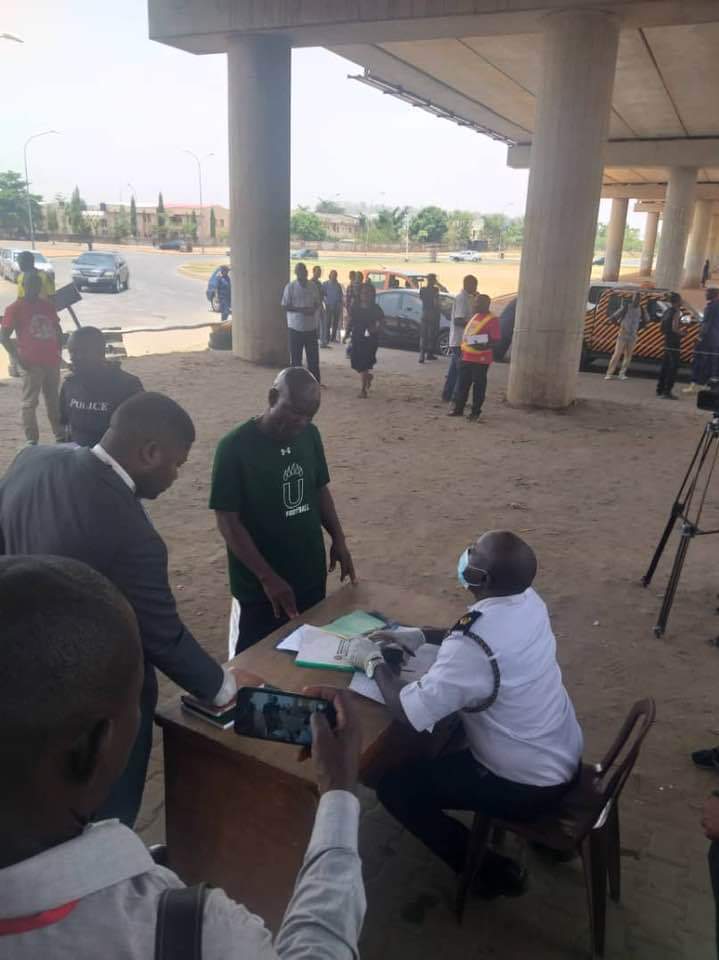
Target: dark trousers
point(305, 340)
point(125, 798)
point(714, 874)
point(471, 375)
point(334, 315)
point(418, 793)
point(670, 365)
point(450, 383)
point(258, 619)
point(427, 336)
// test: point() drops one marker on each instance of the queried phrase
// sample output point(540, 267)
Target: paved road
point(159, 296)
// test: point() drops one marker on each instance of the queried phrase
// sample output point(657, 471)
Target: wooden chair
point(587, 823)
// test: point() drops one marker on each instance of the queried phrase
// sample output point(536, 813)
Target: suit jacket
point(64, 501)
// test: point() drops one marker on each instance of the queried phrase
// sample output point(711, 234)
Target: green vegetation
point(632, 240)
point(13, 204)
point(429, 225)
point(161, 219)
point(306, 225)
point(133, 216)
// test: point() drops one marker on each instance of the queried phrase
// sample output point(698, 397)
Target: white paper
point(413, 670)
point(292, 640)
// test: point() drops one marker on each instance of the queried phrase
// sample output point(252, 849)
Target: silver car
point(107, 271)
point(10, 268)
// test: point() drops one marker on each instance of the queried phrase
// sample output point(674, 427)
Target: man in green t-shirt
point(270, 491)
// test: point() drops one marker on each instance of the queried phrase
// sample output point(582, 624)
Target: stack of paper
point(415, 668)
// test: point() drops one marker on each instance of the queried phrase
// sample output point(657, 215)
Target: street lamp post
point(44, 133)
point(199, 180)
point(11, 36)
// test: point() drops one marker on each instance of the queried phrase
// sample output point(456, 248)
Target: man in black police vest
point(497, 668)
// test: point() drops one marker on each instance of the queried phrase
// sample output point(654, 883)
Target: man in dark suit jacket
point(85, 504)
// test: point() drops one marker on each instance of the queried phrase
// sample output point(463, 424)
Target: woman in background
point(365, 317)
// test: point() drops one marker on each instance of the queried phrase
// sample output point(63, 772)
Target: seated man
point(69, 709)
point(94, 390)
point(497, 668)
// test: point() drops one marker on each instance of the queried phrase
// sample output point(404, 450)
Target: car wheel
point(118, 284)
point(586, 359)
point(443, 343)
point(127, 282)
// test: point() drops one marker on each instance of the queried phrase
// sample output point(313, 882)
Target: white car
point(11, 268)
point(466, 256)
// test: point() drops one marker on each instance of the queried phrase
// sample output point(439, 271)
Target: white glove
point(364, 655)
point(408, 639)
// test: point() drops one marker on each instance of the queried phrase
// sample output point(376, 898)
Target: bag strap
point(178, 935)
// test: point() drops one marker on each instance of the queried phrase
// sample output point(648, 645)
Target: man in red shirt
point(481, 332)
point(37, 349)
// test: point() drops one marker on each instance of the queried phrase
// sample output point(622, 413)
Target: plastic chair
point(586, 823)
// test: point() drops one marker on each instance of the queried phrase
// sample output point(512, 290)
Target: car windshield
point(101, 259)
point(39, 258)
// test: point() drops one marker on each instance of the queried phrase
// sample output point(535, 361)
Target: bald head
point(509, 563)
point(294, 399)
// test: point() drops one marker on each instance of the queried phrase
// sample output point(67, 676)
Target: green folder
point(354, 624)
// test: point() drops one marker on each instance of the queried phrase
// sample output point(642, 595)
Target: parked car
point(402, 317)
point(10, 269)
point(396, 279)
point(466, 256)
point(304, 253)
point(94, 270)
point(600, 335)
point(185, 245)
point(598, 262)
point(211, 292)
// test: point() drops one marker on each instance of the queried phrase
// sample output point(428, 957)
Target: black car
point(402, 317)
point(180, 245)
point(95, 270)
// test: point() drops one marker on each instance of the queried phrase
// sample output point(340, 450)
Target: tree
point(193, 226)
point(133, 216)
point(460, 228)
point(388, 225)
point(306, 225)
point(213, 224)
point(329, 206)
point(121, 225)
point(76, 208)
point(632, 240)
point(51, 220)
point(161, 219)
point(13, 204)
point(429, 225)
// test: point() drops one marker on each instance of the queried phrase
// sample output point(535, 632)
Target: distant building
point(340, 226)
point(104, 218)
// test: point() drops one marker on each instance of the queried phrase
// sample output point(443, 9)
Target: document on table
point(350, 625)
point(413, 670)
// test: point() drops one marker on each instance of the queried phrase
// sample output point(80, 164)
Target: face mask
point(462, 565)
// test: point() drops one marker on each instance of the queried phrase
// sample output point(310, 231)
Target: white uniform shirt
point(462, 309)
point(296, 295)
point(530, 733)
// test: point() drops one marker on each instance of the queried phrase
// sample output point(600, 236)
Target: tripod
point(701, 468)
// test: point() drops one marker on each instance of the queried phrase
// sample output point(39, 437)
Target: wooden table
point(238, 811)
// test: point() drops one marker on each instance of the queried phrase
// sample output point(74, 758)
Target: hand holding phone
point(336, 753)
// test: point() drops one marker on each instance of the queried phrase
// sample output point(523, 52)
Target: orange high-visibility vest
point(479, 334)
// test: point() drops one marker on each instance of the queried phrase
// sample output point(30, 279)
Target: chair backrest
point(614, 769)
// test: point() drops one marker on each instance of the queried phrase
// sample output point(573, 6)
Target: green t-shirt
point(275, 491)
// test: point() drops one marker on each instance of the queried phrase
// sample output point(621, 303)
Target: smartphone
point(277, 716)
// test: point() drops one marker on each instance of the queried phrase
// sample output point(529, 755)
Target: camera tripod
point(685, 510)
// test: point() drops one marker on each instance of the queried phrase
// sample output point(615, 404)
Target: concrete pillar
point(650, 242)
point(565, 179)
point(713, 248)
point(678, 213)
point(615, 239)
point(259, 80)
point(698, 243)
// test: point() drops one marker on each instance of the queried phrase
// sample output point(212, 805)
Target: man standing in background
point(37, 349)
point(463, 309)
point(630, 316)
point(224, 292)
point(479, 336)
point(322, 325)
point(300, 301)
point(334, 299)
point(429, 295)
point(671, 330)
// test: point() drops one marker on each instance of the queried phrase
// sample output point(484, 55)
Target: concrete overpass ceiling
point(666, 82)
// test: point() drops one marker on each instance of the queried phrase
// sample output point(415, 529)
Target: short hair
point(483, 303)
point(152, 416)
point(26, 257)
point(675, 298)
point(70, 647)
point(88, 333)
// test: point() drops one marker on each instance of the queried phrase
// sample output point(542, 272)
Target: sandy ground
point(590, 489)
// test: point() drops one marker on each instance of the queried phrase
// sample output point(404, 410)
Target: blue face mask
point(462, 565)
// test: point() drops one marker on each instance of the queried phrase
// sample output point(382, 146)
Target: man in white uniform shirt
point(463, 309)
point(497, 668)
point(302, 303)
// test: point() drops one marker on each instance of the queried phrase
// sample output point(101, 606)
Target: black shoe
point(500, 877)
point(473, 417)
point(707, 759)
point(454, 413)
point(421, 360)
point(431, 356)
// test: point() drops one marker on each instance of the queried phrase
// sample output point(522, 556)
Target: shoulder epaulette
point(464, 624)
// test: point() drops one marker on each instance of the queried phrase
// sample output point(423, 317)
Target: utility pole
point(27, 183)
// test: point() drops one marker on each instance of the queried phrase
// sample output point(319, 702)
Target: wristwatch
point(372, 664)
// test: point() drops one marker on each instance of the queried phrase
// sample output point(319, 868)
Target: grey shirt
point(108, 870)
point(296, 295)
point(629, 324)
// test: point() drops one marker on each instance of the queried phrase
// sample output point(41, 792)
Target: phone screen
point(277, 716)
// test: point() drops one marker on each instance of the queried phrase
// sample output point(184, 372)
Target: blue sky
point(126, 107)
